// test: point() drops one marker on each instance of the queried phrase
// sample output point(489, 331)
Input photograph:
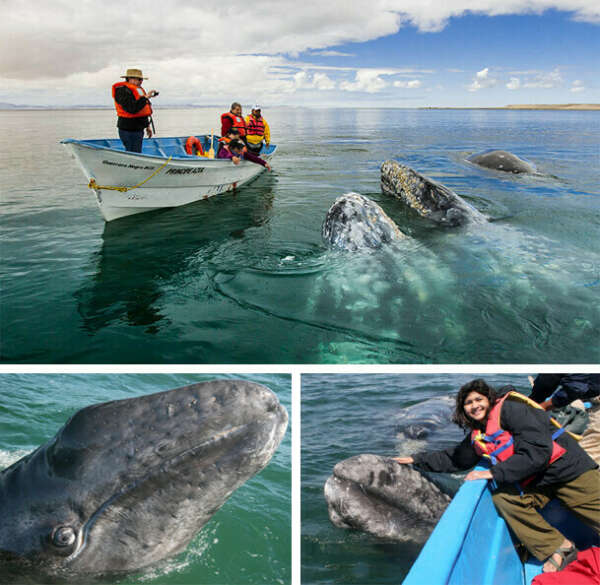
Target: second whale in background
point(428, 198)
point(420, 420)
point(501, 160)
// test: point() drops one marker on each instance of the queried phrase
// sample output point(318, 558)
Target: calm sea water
point(245, 278)
point(345, 415)
point(247, 541)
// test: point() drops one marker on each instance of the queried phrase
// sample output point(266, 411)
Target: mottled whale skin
point(428, 198)
point(501, 160)
point(127, 483)
point(355, 222)
point(376, 495)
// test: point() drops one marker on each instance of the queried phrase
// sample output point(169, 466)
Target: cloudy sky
point(395, 53)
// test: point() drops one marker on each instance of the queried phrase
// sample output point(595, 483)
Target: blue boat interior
point(173, 146)
point(472, 543)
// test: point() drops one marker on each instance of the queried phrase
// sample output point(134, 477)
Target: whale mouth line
point(159, 468)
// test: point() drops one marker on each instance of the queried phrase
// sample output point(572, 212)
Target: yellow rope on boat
point(93, 185)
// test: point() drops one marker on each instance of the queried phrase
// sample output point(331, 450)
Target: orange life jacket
point(496, 444)
point(236, 122)
point(194, 146)
point(138, 92)
point(255, 127)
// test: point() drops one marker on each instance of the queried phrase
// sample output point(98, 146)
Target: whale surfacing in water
point(429, 199)
point(500, 160)
point(422, 419)
point(127, 483)
point(381, 497)
point(354, 222)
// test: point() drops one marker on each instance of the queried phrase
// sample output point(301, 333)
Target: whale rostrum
point(379, 496)
point(355, 222)
point(428, 198)
point(127, 483)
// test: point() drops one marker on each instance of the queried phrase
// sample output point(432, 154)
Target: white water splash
point(7, 458)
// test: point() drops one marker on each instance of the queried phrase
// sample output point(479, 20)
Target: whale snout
point(355, 222)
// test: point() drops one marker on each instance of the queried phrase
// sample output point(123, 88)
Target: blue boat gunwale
point(472, 543)
point(158, 144)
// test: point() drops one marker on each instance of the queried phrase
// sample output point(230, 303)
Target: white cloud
point(413, 84)
point(545, 80)
point(577, 86)
point(368, 80)
point(69, 51)
point(514, 83)
point(57, 37)
point(333, 54)
point(321, 81)
point(482, 80)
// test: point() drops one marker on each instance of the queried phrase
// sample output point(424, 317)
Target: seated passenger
point(236, 151)
point(257, 130)
point(233, 119)
point(232, 134)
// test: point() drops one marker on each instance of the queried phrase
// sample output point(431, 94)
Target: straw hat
point(134, 73)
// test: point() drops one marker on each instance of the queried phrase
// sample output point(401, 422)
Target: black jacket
point(572, 386)
point(532, 434)
point(125, 98)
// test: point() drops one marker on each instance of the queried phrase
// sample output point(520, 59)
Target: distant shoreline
point(577, 107)
point(4, 107)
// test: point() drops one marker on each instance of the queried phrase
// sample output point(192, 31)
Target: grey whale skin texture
point(355, 222)
point(422, 419)
point(428, 198)
point(127, 483)
point(376, 495)
point(501, 160)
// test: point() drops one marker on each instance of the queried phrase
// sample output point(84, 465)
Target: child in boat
point(236, 151)
point(232, 134)
point(529, 463)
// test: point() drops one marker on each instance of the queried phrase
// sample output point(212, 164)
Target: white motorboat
point(162, 175)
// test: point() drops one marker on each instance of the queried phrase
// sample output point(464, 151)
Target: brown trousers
point(581, 496)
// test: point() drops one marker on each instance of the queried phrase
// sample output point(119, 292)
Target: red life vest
point(138, 92)
point(255, 127)
point(236, 122)
point(496, 444)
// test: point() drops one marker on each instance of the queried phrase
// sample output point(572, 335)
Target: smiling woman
point(521, 447)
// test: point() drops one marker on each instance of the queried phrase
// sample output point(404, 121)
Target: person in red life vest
point(133, 109)
point(237, 151)
point(233, 119)
point(257, 130)
point(529, 462)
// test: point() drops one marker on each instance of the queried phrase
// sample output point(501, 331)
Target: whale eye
point(63, 537)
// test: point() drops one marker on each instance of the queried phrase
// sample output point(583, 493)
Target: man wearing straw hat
point(134, 110)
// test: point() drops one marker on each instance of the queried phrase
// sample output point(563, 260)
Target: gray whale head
point(376, 495)
point(501, 160)
point(355, 222)
point(428, 198)
point(127, 483)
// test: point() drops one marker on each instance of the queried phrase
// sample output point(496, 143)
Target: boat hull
point(472, 543)
point(126, 183)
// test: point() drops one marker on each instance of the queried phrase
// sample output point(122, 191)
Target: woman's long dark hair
point(481, 387)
